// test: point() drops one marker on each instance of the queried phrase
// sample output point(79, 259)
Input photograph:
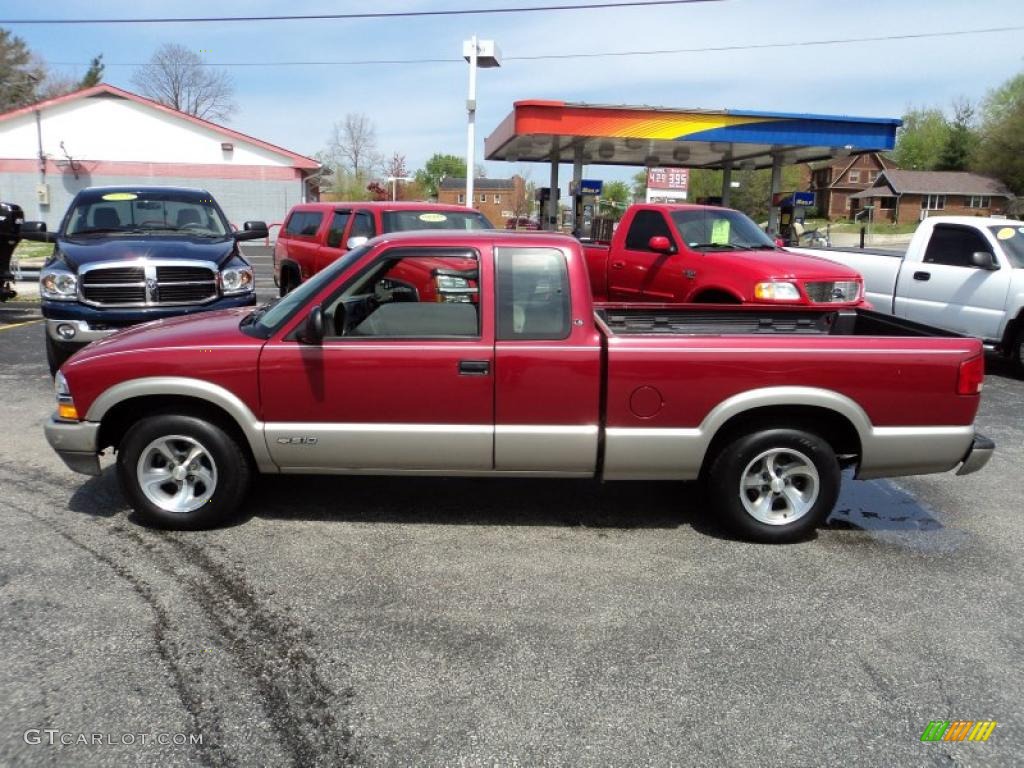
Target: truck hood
point(203, 331)
point(788, 265)
point(79, 251)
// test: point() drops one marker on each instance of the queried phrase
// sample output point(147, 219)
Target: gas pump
point(792, 212)
point(584, 205)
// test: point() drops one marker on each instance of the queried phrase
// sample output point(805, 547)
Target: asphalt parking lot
point(375, 621)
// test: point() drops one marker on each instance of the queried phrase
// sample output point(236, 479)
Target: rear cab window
point(409, 220)
point(533, 294)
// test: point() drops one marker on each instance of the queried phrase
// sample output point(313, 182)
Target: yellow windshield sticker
point(120, 196)
point(720, 232)
point(1006, 233)
point(433, 217)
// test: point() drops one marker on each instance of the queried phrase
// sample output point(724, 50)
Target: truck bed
point(627, 320)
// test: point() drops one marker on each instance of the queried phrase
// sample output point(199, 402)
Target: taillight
point(971, 377)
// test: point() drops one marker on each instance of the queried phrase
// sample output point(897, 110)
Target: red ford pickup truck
point(351, 374)
point(701, 254)
point(315, 234)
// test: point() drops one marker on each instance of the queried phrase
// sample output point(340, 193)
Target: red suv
point(315, 234)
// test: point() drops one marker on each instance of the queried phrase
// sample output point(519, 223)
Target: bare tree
point(353, 141)
point(176, 77)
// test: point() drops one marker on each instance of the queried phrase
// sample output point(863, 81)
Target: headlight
point(449, 283)
point(237, 280)
point(776, 292)
point(65, 405)
point(457, 290)
point(58, 284)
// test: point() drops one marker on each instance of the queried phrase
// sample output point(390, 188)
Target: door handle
point(618, 264)
point(922, 275)
point(474, 367)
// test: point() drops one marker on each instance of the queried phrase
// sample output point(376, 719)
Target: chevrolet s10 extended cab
point(707, 254)
point(962, 273)
point(353, 373)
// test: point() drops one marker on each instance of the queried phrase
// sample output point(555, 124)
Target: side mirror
point(984, 260)
point(36, 230)
point(355, 242)
point(660, 244)
point(313, 330)
point(252, 230)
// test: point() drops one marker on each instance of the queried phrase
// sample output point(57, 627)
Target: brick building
point(910, 196)
point(107, 136)
point(834, 181)
point(497, 199)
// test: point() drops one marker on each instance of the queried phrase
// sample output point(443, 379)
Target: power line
point(365, 15)
point(595, 55)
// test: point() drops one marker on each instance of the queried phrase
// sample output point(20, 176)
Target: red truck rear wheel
point(182, 472)
point(776, 485)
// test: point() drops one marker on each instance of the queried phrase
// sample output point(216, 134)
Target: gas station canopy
point(542, 131)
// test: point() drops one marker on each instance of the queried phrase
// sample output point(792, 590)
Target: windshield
point(719, 228)
point(270, 317)
point(150, 211)
point(405, 221)
point(1012, 240)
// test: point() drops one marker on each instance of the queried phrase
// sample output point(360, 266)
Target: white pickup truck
point(960, 273)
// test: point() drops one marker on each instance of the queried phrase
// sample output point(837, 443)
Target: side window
point(363, 225)
point(646, 224)
point(410, 293)
point(304, 223)
point(533, 294)
point(337, 230)
point(954, 245)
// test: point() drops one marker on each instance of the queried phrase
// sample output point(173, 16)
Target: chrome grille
point(148, 284)
point(832, 291)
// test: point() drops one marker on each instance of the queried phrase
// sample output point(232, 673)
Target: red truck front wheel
point(182, 472)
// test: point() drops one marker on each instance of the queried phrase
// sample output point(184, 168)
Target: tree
point(962, 141)
point(615, 197)
point(438, 167)
point(921, 139)
point(640, 185)
point(353, 142)
point(21, 73)
point(94, 75)
point(177, 77)
point(1000, 151)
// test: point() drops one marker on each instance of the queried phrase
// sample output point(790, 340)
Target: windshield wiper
point(260, 311)
point(730, 246)
point(97, 231)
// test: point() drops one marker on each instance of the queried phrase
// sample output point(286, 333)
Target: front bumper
point(92, 323)
point(977, 455)
point(76, 443)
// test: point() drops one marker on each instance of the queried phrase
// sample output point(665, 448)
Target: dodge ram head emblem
point(152, 290)
point(838, 294)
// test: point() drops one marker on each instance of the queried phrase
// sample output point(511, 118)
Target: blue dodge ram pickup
point(126, 255)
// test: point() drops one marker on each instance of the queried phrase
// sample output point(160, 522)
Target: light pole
point(479, 53)
point(394, 184)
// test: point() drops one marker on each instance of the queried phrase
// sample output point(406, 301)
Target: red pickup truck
point(707, 254)
point(349, 374)
point(315, 234)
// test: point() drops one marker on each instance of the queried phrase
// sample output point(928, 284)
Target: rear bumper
point(75, 443)
point(977, 455)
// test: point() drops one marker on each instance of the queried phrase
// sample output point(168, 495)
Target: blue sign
point(805, 199)
point(590, 186)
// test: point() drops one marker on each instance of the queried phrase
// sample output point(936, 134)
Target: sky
point(420, 109)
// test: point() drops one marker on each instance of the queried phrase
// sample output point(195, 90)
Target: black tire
point(214, 490)
point(1017, 353)
point(795, 471)
point(288, 281)
point(56, 355)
